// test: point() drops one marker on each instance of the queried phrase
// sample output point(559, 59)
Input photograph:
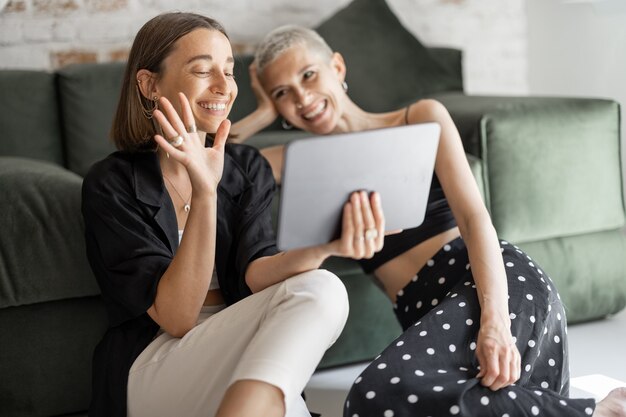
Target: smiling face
point(201, 66)
point(305, 87)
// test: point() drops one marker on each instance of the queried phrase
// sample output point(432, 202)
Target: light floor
point(597, 348)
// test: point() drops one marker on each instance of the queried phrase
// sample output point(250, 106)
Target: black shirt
point(131, 237)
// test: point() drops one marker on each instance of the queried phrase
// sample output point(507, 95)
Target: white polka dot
point(419, 373)
point(461, 381)
point(531, 343)
point(551, 362)
point(529, 297)
point(539, 393)
point(466, 283)
point(505, 415)
point(549, 307)
point(588, 411)
point(400, 343)
point(535, 410)
point(544, 385)
point(370, 395)
point(549, 288)
point(441, 280)
point(512, 316)
point(406, 357)
point(406, 309)
point(430, 351)
point(412, 398)
point(469, 322)
point(557, 339)
point(388, 413)
point(423, 333)
point(394, 380)
point(439, 313)
point(521, 278)
point(531, 264)
point(382, 366)
point(484, 400)
point(447, 248)
point(473, 346)
point(430, 262)
point(467, 266)
point(437, 388)
point(509, 264)
point(502, 250)
point(462, 304)
point(558, 316)
point(419, 304)
point(359, 379)
point(454, 410)
point(446, 326)
point(452, 348)
point(355, 415)
point(400, 293)
point(451, 261)
point(462, 368)
point(434, 302)
point(454, 295)
point(514, 339)
point(513, 395)
point(563, 403)
point(527, 368)
point(532, 319)
point(414, 279)
point(545, 330)
point(442, 371)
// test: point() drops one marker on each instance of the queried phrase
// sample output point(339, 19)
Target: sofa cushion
point(387, 66)
point(43, 257)
point(45, 360)
point(88, 95)
point(29, 120)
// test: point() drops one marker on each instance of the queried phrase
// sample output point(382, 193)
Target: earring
point(147, 112)
point(286, 125)
point(345, 86)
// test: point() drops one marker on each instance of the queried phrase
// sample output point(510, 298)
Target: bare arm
point(183, 287)
point(497, 355)
point(359, 214)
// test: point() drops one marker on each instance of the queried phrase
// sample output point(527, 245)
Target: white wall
point(578, 48)
point(46, 34)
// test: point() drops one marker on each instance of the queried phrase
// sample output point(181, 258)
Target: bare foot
point(613, 405)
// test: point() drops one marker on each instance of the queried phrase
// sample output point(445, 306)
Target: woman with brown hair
point(484, 326)
point(206, 317)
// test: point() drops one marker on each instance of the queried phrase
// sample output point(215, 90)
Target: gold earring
point(147, 112)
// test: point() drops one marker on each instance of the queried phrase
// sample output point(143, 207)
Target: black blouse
point(131, 237)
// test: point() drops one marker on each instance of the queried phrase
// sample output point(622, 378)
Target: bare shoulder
point(426, 110)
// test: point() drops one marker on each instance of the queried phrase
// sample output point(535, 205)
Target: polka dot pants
point(430, 369)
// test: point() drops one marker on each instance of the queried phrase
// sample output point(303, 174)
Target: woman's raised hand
point(185, 145)
point(363, 227)
point(264, 102)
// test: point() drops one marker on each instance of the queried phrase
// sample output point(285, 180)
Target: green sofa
point(548, 168)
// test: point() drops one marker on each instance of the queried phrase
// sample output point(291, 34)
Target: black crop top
point(438, 219)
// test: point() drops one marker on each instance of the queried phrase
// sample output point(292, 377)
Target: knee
point(325, 293)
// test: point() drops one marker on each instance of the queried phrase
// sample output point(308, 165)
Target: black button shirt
point(131, 237)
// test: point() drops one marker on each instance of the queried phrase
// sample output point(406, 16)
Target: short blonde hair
point(285, 37)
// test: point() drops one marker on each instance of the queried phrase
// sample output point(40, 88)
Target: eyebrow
point(207, 57)
point(305, 69)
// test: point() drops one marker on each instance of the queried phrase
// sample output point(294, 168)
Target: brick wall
point(47, 34)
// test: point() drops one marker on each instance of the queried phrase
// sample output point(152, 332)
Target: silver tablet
point(320, 173)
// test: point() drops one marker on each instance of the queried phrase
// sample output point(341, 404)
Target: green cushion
point(387, 66)
point(88, 95)
point(43, 252)
point(589, 270)
point(29, 118)
point(551, 165)
point(45, 359)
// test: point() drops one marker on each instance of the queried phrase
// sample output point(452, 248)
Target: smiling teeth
point(315, 111)
point(213, 106)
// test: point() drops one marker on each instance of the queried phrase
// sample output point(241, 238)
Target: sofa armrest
point(551, 166)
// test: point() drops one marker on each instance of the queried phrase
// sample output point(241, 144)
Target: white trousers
point(277, 336)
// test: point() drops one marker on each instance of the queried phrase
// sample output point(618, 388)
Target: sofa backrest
point(29, 120)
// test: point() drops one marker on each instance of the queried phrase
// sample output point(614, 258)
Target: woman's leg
point(430, 369)
point(276, 336)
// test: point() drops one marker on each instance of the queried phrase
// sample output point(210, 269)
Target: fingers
point(500, 366)
point(188, 119)
point(358, 227)
point(379, 219)
point(173, 118)
point(221, 135)
point(489, 366)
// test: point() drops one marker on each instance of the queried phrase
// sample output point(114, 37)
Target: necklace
point(187, 202)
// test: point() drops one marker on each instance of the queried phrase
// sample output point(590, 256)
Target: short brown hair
point(131, 130)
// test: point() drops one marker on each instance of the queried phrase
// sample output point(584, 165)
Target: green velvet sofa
point(548, 168)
